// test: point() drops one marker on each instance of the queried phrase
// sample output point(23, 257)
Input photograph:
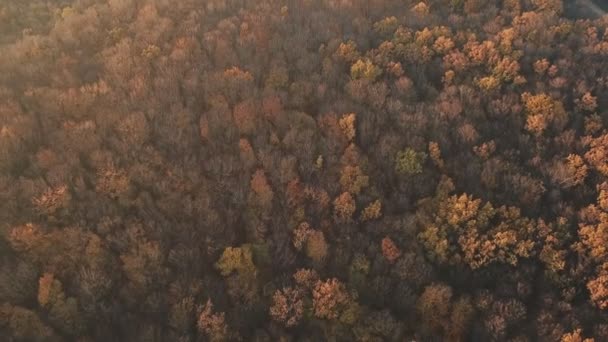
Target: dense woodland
point(303, 170)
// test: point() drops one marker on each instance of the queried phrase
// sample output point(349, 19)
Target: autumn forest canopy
point(303, 170)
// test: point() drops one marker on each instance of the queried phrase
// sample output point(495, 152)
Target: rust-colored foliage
point(575, 336)
point(344, 207)
point(543, 111)
point(435, 154)
point(312, 168)
point(52, 200)
point(316, 246)
point(372, 211)
point(597, 154)
point(434, 305)
point(329, 298)
point(287, 306)
point(45, 289)
point(112, 181)
point(261, 188)
point(390, 251)
point(306, 277)
point(245, 116)
point(247, 153)
point(347, 125)
point(301, 235)
point(479, 242)
point(211, 323)
point(353, 180)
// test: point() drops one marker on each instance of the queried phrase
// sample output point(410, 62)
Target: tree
point(543, 111)
point(435, 154)
point(460, 318)
point(301, 235)
point(261, 189)
point(236, 259)
point(277, 78)
point(212, 324)
point(575, 336)
point(316, 246)
point(478, 241)
point(353, 180)
point(409, 162)
point(134, 130)
point(571, 172)
point(330, 299)
point(236, 83)
point(598, 289)
point(372, 211)
point(593, 124)
point(347, 52)
point(52, 200)
point(365, 69)
point(63, 312)
point(548, 5)
point(344, 207)
point(386, 26)
point(287, 306)
point(306, 277)
point(247, 153)
point(245, 116)
point(18, 282)
point(182, 315)
point(347, 125)
point(588, 102)
point(24, 324)
point(597, 155)
point(390, 251)
point(112, 181)
point(433, 306)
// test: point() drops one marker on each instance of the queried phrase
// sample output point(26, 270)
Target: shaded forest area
point(303, 170)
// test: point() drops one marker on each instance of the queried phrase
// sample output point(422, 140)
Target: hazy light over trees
point(295, 170)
